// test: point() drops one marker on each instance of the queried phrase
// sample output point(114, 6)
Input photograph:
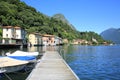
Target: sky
point(84, 15)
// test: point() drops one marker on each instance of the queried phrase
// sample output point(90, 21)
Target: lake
point(88, 62)
point(95, 62)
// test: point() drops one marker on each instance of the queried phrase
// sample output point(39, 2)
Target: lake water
point(88, 62)
point(95, 62)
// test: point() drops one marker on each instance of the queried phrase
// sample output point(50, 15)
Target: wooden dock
point(52, 67)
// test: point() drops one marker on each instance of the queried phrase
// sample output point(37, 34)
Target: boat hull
point(10, 69)
point(8, 65)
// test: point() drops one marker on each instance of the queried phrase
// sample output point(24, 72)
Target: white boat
point(22, 53)
point(8, 65)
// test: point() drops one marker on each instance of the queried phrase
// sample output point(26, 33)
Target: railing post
point(62, 53)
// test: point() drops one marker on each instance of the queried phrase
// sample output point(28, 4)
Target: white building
point(14, 35)
point(58, 40)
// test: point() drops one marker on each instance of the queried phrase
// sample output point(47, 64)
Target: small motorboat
point(22, 53)
point(8, 64)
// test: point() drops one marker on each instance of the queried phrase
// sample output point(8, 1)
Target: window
point(7, 29)
point(16, 36)
point(6, 35)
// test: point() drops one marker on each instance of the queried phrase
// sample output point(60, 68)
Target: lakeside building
point(17, 36)
point(48, 40)
point(14, 35)
point(58, 40)
point(35, 39)
point(65, 41)
point(81, 41)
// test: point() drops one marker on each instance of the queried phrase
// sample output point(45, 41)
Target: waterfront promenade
point(52, 67)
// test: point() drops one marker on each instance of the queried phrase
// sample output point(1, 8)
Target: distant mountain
point(63, 19)
point(112, 34)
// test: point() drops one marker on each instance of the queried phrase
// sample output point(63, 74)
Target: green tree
point(0, 33)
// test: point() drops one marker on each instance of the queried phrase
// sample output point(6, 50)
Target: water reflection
point(34, 49)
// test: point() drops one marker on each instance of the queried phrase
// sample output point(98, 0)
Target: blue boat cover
point(25, 58)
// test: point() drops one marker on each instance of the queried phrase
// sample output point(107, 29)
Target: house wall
point(18, 34)
point(8, 35)
point(35, 39)
point(32, 39)
point(48, 40)
point(58, 41)
point(7, 32)
point(13, 35)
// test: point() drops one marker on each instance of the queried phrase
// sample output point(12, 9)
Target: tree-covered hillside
point(63, 19)
point(17, 13)
point(91, 36)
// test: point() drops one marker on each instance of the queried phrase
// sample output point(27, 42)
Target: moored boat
point(8, 64)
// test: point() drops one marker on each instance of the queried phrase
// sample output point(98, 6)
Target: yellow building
point(35, 39)
point(45, 39)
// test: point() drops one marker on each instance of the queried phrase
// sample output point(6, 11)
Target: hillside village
point(17, 35)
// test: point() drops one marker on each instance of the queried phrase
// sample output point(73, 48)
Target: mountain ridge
point(61, 17)
point(111, 34)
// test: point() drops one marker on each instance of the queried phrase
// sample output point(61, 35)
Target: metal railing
point(62, 53)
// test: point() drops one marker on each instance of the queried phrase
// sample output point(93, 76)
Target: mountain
point(63, 19)
point(112, 34)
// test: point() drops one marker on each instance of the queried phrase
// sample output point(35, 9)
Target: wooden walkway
point(52, 67)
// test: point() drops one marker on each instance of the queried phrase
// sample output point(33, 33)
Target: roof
point(15, 27)
point(47, 35)
point(7, 26)
point(35, 33)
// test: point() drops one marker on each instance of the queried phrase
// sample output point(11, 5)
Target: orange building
point(48, 39)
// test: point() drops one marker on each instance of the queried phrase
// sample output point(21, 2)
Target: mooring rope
point(7, 76)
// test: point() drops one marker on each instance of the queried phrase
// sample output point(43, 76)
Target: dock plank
point(52, 67)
